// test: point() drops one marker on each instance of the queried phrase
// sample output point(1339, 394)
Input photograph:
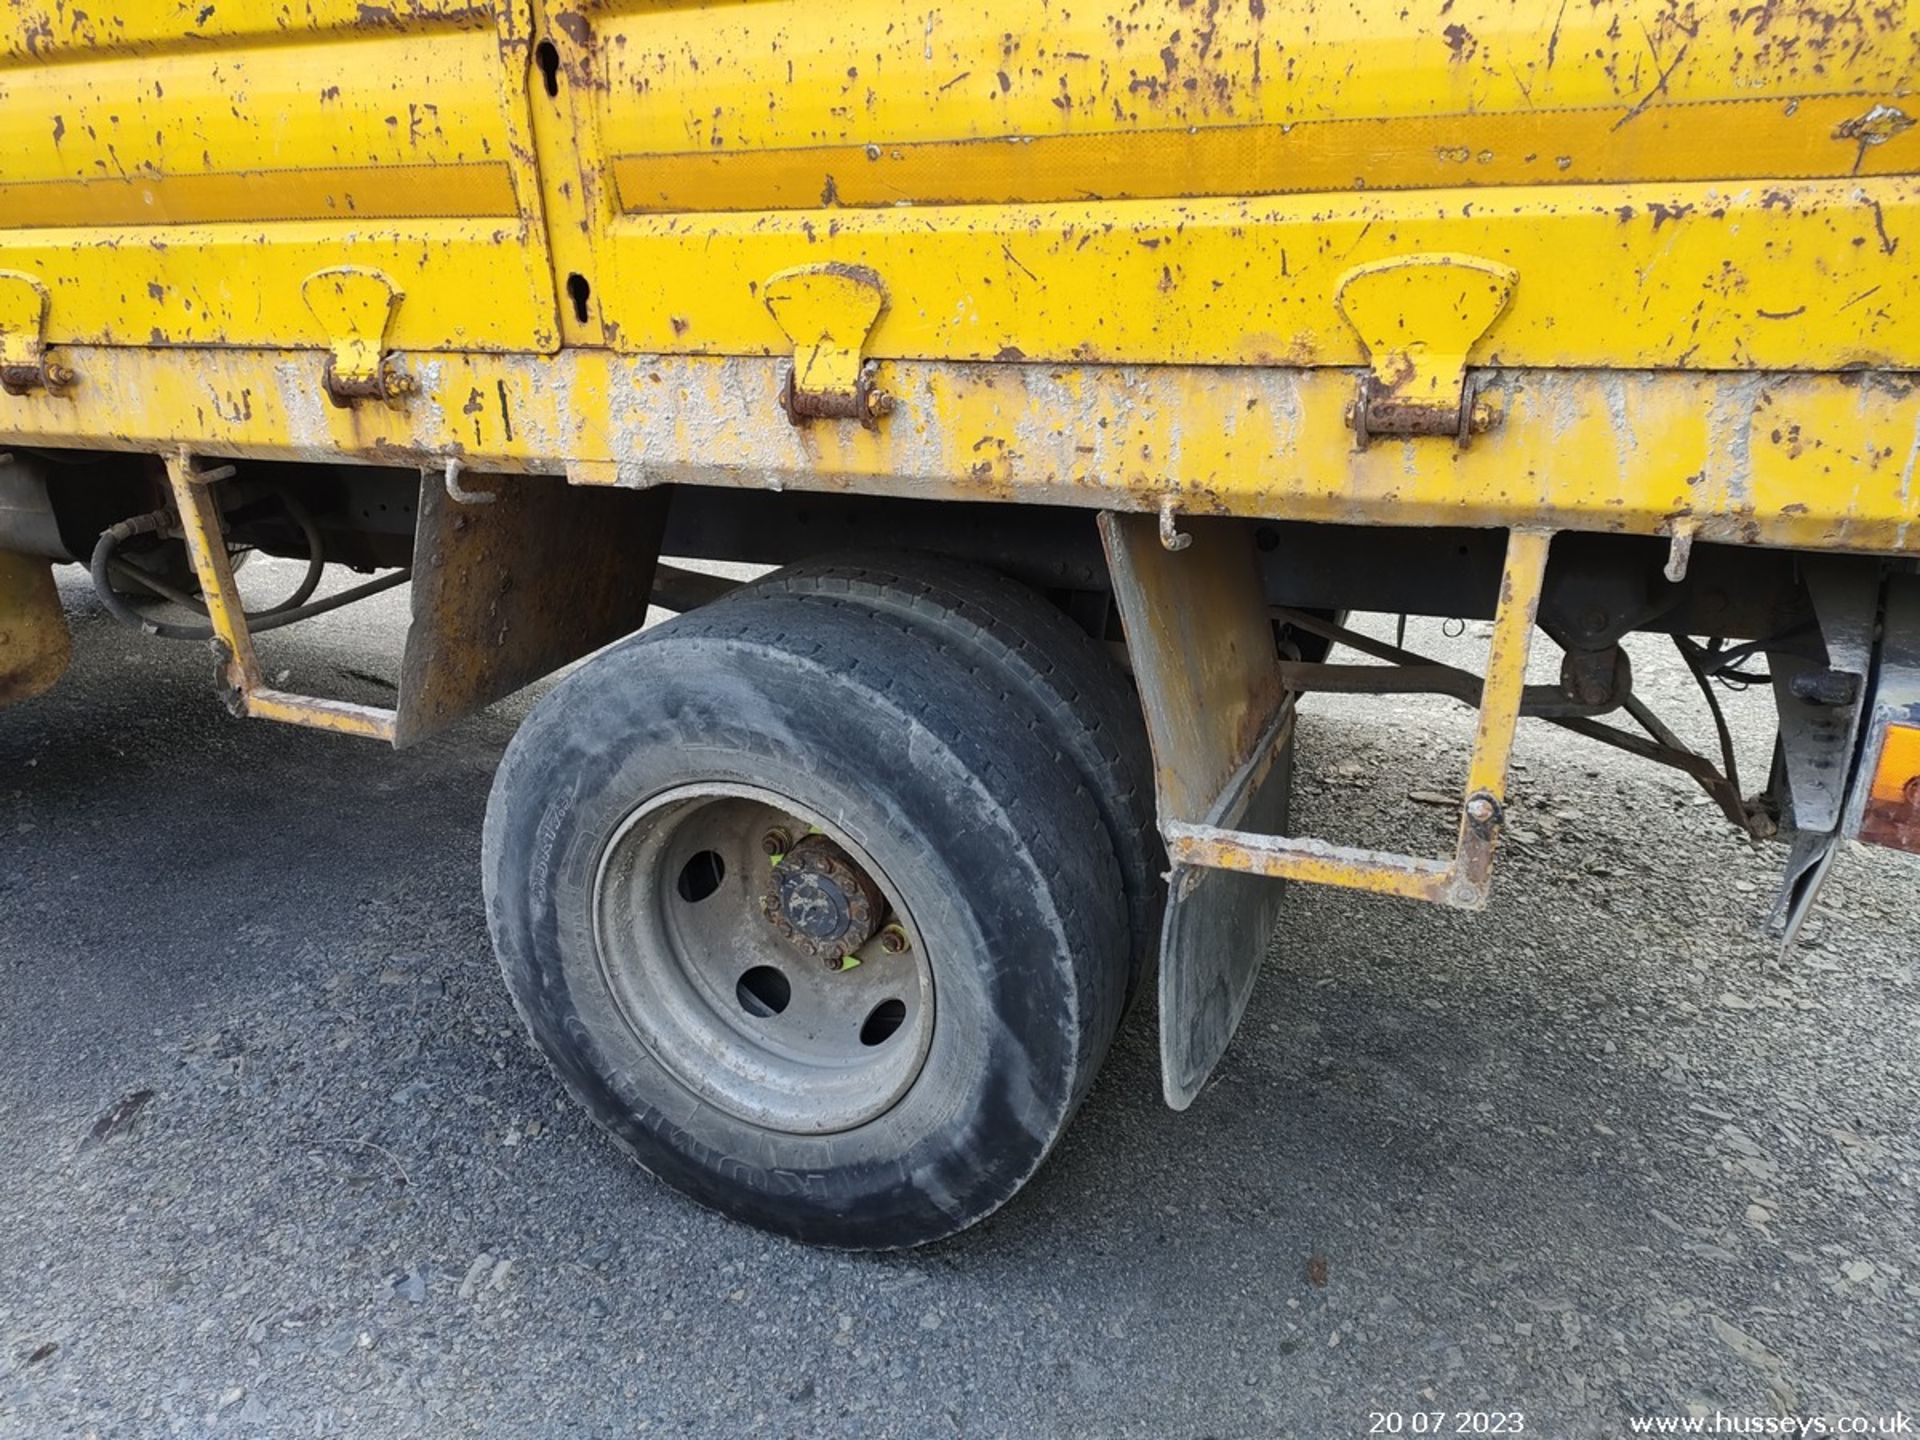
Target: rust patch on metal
point(34, 643)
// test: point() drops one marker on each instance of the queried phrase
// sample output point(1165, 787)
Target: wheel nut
point(776, 842)
point(894, 940)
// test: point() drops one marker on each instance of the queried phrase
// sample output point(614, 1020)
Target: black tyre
point(1092, 715)
point(768, 763)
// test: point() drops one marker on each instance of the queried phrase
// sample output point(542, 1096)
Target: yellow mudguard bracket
point(1221, 722)
point(827, 312)
point(357, 307)
point(1420, 317)
point(24, 366)
point(1211, 755)
point(512, 581)
point(205, 533)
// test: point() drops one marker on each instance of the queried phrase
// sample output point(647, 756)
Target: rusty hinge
point(827, 312)
point(24, 366)
point(1419, 317)
point(357, 306)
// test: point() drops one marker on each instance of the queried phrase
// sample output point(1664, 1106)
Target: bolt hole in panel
point(1735, 179)
point(173, 174)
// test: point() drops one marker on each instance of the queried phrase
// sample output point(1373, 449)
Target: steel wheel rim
point(737, 1014)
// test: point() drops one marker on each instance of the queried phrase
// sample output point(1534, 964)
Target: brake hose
point(295, 607)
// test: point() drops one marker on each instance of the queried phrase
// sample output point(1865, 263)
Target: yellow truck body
point(1111, 248)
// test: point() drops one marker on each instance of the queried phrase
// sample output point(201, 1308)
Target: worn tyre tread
point(912, 690)
point(1087, 701)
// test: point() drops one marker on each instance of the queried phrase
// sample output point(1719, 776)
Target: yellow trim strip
point(1775, 138)
point(366, 192)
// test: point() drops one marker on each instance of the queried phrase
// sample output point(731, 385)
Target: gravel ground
point(278, 1160)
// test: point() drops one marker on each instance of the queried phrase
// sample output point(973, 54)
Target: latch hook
point(357, 307)
point(828, 312)
point(1419, 317)
point(24, 366)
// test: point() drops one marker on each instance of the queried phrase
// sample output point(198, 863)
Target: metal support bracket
point(246, 693)
point(828, 312)
point(1220, 720)
point(1851, 751)
point(24, 365)
point(1419, 317)
point(1822, 709)
point(503, 594)
point(356, 306)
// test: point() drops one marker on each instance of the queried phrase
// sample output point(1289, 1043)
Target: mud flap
point(1216, 932)
point(1820, 733)
point(34, 643)
point(523, 576)
point(1221, 725)
point(513, 578)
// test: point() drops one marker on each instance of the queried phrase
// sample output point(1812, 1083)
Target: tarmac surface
point(278, 1160)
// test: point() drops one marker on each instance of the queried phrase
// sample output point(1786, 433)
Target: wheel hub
point(785, 1032)
point(821, 902)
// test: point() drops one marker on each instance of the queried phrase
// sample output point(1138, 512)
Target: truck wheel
point(1091, 712)
point(808, 918)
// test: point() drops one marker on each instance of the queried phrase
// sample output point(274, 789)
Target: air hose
point(105, 564)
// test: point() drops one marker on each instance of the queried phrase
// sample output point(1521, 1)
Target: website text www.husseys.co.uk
point(1797, 1427)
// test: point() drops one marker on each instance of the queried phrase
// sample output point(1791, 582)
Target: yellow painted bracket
point(246, 692)
point(1462, 881)
point(828, 312)
point(24, 365)
point(356, 307)
point(1420, 317)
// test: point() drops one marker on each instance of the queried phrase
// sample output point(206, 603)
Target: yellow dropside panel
point(173, 174)
point(1817, 275)
point(734, 106)
point(1168, 181)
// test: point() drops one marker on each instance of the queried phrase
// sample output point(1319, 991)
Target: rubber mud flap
point(1213, 940)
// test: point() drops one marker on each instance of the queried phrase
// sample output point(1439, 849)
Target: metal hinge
point(1419, 317)
point(828, 312)
point(24, 366)
point(357, 306)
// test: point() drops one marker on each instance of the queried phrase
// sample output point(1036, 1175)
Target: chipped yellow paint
point(174, 173)
point(1808, 461)
point(1112, 238)
point(1504, 91)
point(1706, 140)
point(393, 192)
point(1813, 275)
point(1727, 178)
